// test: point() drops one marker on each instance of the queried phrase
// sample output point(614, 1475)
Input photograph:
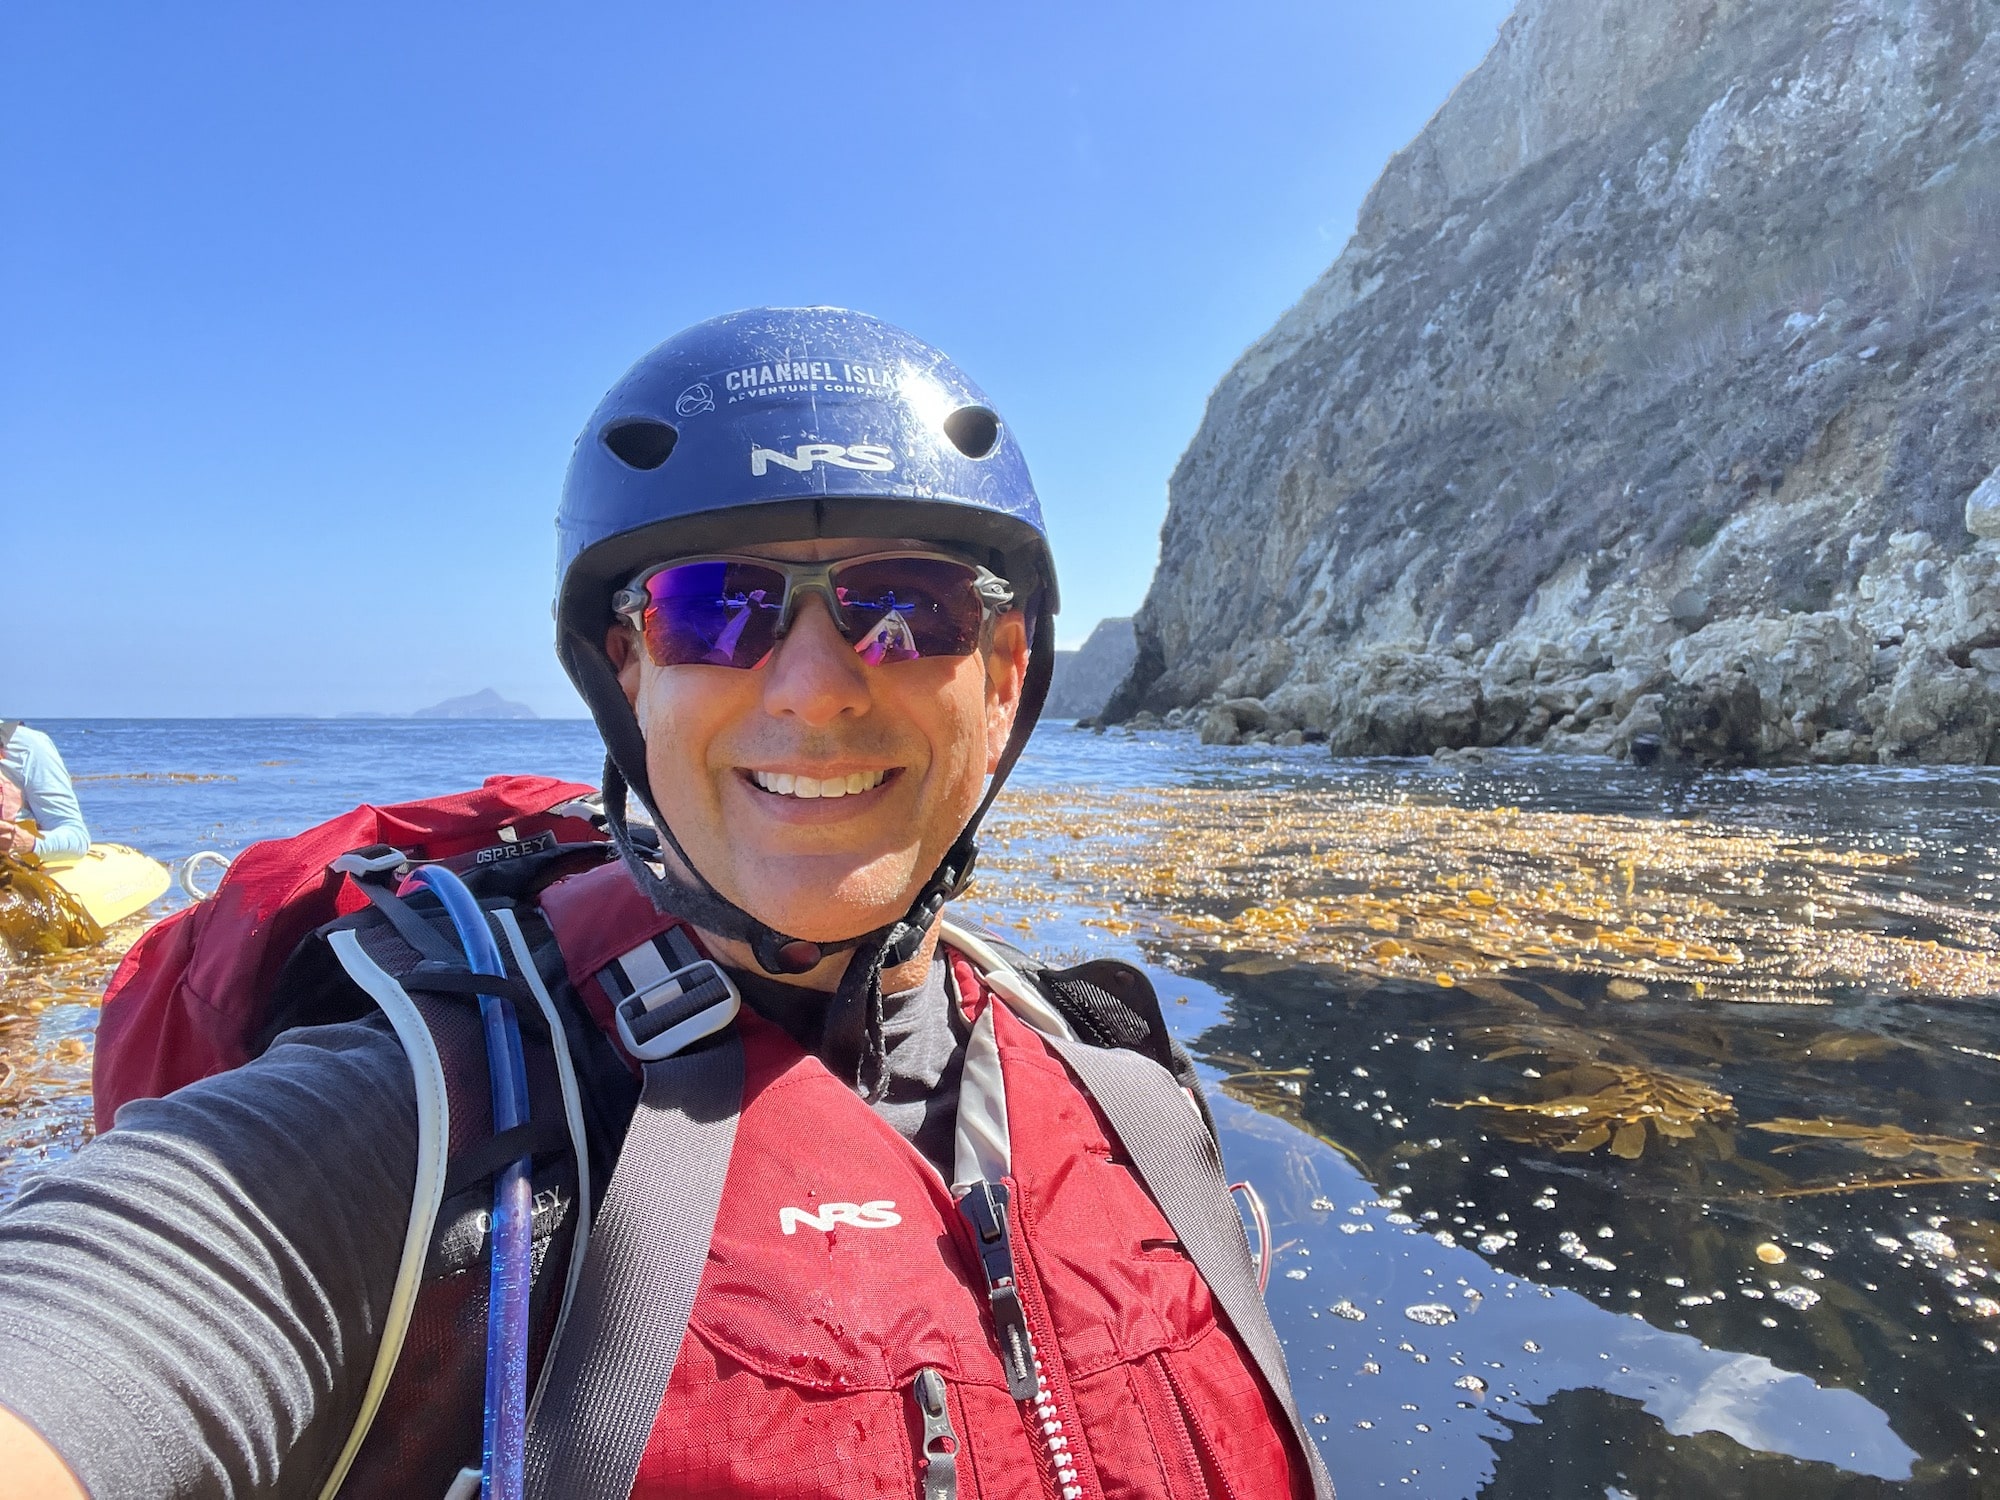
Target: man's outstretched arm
point(190, 1307)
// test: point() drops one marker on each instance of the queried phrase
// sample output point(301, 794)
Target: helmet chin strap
point(707, 908)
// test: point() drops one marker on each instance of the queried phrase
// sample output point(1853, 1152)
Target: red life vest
point(841, 1268)
point(841, 1272)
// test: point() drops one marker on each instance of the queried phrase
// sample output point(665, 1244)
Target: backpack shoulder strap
point(1113, 1036)
point(388, 983)
point(1106, 1003)
point(1178, 1161)
point(433, 1132)
point(636, 1283)
point(640, 1276)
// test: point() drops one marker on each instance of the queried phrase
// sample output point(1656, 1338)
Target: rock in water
point(1650, 404)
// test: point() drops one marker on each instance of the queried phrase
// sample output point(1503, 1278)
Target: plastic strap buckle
point(376, 859)
point(662, 1010)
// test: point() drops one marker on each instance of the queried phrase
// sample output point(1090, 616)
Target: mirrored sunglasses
point(728, 611)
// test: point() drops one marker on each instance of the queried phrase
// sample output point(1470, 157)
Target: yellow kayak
point(111, 881)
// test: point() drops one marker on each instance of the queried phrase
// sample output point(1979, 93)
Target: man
point(888, 1227)
point(35, 785)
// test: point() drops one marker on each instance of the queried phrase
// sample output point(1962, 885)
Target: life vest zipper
point(985, 1209)
point(940, 1445)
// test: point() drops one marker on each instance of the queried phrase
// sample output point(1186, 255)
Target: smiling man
point(889, 1211)
point(822, 785)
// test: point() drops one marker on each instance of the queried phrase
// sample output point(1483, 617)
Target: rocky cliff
point(1087, 677)
point(1653, 402)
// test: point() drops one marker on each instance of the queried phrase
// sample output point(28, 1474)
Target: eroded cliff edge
point(1656, 399)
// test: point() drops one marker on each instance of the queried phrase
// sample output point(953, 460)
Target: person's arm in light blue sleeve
point(59, 825)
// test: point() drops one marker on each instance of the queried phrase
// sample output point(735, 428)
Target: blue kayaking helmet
point(786, 424)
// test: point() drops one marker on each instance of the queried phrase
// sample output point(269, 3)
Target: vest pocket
point(1185, 1424)
point(1220, 1397)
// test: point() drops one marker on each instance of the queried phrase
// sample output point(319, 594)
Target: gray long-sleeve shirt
point(190, 1308)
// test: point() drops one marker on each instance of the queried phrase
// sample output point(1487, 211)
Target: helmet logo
point(695, 400)
point(869, 458)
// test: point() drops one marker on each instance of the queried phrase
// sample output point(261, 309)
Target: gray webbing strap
point(1178, 1162)
point(640, 1275)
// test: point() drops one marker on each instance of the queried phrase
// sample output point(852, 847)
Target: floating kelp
point(183, 778)
point(1606, 1104)
point(1441, 894)
point(47, 1010)
point(1884, 1142)
point(37, 916)
point(1273, 1090)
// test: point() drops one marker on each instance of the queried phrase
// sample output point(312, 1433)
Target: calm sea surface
point(1622, 1135)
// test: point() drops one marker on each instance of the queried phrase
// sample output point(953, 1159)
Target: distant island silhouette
point(484, 704)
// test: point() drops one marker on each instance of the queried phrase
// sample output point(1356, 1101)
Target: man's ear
point(1006, 675)
point(621, 644)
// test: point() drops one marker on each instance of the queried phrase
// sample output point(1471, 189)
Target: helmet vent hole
point(973, 430)
point(640, 442)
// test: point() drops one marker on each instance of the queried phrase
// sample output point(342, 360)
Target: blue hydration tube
point(505, 1441)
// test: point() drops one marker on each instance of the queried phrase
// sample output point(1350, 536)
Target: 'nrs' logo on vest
point(870, 458)
point(881, 1214)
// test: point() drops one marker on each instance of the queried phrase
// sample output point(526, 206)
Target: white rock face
point(1651, 405)
point(1982, 508)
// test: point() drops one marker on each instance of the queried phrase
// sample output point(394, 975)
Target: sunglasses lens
point(723, 614)
point(907, 608)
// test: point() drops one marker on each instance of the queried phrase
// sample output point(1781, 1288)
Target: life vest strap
point(665, 996)
point(641, 1273)
point(1169, 1147)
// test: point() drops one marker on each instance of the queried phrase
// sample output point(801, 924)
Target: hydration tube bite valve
point(504, 1444)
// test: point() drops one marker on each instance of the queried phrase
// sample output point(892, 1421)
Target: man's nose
point(815, 674)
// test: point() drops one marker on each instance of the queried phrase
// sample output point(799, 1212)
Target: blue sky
point(302, 307)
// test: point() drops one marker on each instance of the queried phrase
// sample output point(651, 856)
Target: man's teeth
point(810, 786)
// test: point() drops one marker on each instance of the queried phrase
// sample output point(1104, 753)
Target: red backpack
point(192, 996)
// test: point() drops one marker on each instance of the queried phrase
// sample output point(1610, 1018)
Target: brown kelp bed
point(1626, 957)
point(54, 964)
point(1735, 1080)
point(1409, 890)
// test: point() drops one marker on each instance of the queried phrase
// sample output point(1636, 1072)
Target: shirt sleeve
point(51, 798)
point(192, 1305)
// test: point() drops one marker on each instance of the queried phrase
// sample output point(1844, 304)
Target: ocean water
point(1623, 1134)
